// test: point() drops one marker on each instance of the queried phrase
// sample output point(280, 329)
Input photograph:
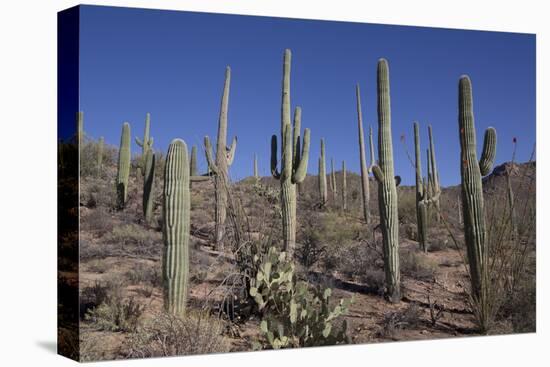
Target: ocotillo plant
point(293, 162)
point(323, 195)
point(472, 171)
point(176, 225)
point(365, 187)
point(436, 188)
point(224, 158)
point(344, 187)
point(193, 170)
point(147, 143)
point(100, 145)
point(148, 185)
point(387, 191)
point(123, 173)
point(333, 181)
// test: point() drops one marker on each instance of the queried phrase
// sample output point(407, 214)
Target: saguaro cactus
point(193, 169)
point(100, 146)
point(293, 162)
point(472, 171)
point(344, 187)
point(333, 181)
point(148, 185)
point(176, 225)
point(323, 194)
point(80, 128)
point(256, 175)
point(387, 191)
point(436, 188)
point(124, 155)
point(224, 159)
point(147, 143)
point(365, 187)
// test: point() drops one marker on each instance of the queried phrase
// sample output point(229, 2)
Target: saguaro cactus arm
point(209, 156)
point(301, 170)
point(231, 151)
point(276, 174)
point(489, 151)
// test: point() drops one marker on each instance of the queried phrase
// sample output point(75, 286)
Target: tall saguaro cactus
point(176, 225)
point(365, 187)
point(224, 159)
point(387, 191)
point(436, 188)
point(344, 188)
point(148, 185)
point(472, 171)
point(193, 168)
point(147, 143)
point(124, 155)
point(293, 162)
point(333, 181)
point(256, 174)
point(100, 146)
point(323, 194)
point(80, 128)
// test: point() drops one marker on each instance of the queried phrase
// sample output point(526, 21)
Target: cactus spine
point(224, 159)
point(387, 191)
point(148, 185)
point(293, 162)
point(323, 176)
point(472, 171)
point(193, 170)
point(176, 225)
point(365, 186)
point(344, 187)
point(147, 143)
point(100, 146)
point(124, 155)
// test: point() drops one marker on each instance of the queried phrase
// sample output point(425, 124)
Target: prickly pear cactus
point(124, 155)
point(293, 161)
point(472, 171)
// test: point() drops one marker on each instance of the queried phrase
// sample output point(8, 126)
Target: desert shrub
point(145, 273)
point(310, 248)
point(354, 259)
point(98, 221)
point(92, 296)
point(134, 239)
point(375, 279)
point(116, 314)
point(97, 266)
point(417, 265)
point(169, 335)
point(520, 306)
point(96, 192)
point(438, 244)
point(407, 206)
point(294, 314)
point(399, 320)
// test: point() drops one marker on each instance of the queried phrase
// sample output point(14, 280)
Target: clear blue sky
point(172, 64)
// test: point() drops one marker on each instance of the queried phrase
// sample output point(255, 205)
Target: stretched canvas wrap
point(237, 183)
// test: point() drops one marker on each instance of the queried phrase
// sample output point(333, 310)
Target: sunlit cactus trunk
point(387, 191)
point(344, 188)
point(176, 225)
point(256, 174)
point(293, 161)
point(124, 155)
point(80, 128)
point(100, 146)
point(472, 171)
point(436, 188)
point(323, 194)
point(333, 188)
point(421, 206)
point(193, 168)
point(224, 158)
point(147, 143)
point(365, 187)
point(148, 186)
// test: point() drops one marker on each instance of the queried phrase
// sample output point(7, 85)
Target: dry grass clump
point(417, 265)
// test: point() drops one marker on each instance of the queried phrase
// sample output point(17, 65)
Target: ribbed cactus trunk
point(80, 128)
point(193, 168)
point(124, 155)
point(323, 194)
point(293, 161)
point(459, 209)
point(365, 187)
point(148, 186)
point(387, 191)
point(421, 206)
point(333, 187)
point(176, 225)
point(224, 158)
point(147, 143)
point(100, 146)
point(436, 188)
point(472, 171)
point(344, 187)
